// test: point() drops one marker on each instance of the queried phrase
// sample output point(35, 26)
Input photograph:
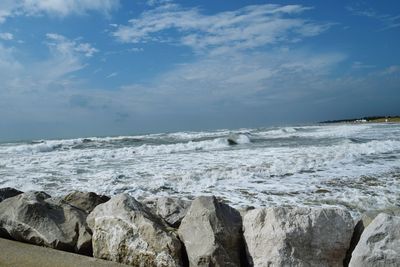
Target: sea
point(353, 166)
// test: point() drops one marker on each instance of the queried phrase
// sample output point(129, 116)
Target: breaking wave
point(355, 165)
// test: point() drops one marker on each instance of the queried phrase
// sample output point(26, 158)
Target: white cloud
point(246, 28)
point(394, 69)
point(112, 75)
point(6, 7)
point(281, 80)
point(251, 79)
point(66, 57)
point(357, 65)
point(241, 79)
point(158, 2)
point(38, 92)
point(6, 36)
point(135, 49)
point(230, 68)
point(389, 21)
point(123, 51)
point(8, 64)
point(62, 8)
point(66, 46)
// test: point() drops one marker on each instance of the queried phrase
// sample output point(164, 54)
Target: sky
point(74, 68)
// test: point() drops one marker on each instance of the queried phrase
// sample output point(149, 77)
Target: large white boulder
point(379, 244)
point(211, 232)
point(34, 218)
point(289, 236)
point(126, 231)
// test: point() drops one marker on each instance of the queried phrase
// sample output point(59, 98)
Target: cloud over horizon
point(164, 65)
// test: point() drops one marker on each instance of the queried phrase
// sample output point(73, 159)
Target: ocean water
point(356, 166)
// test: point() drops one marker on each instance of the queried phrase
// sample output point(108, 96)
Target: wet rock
point(33, 218)
point(211, 232)
point(232, 142)
point(379, 244)
point(8, 192)
point(85, 201)
point(172, 210)
point(126, 231)
point(322, 191)
point(289, 236)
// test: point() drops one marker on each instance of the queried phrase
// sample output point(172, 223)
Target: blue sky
point(108, 67)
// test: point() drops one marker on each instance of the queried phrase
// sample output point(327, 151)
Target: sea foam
point(356, 166)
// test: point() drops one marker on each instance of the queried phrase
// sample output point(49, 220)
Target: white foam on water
point(218, 143)
point(357, 175)
point(338, 130)
point(277, 133)
point(325, 131)
point(187, 136)
point(42, 146)
point(242, 139)
point(205, 145)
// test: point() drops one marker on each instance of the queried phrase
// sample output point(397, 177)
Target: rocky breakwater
point(203, 232)
point(36, 218)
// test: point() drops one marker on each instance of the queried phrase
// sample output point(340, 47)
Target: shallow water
point(356, 166)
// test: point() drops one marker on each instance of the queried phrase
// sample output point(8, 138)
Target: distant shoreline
point(374, 119)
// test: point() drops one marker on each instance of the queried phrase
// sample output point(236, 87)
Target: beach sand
point(19, 254)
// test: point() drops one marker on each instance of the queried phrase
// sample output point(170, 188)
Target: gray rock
point(365, 220)
point(244, 209)
point(85, 201)
point(126, 231)
point(8, 192)
point(211, 232)
point(33, 218)
point(288, 236)
point(172, 210)
point(379, 244)
point(370, 215)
